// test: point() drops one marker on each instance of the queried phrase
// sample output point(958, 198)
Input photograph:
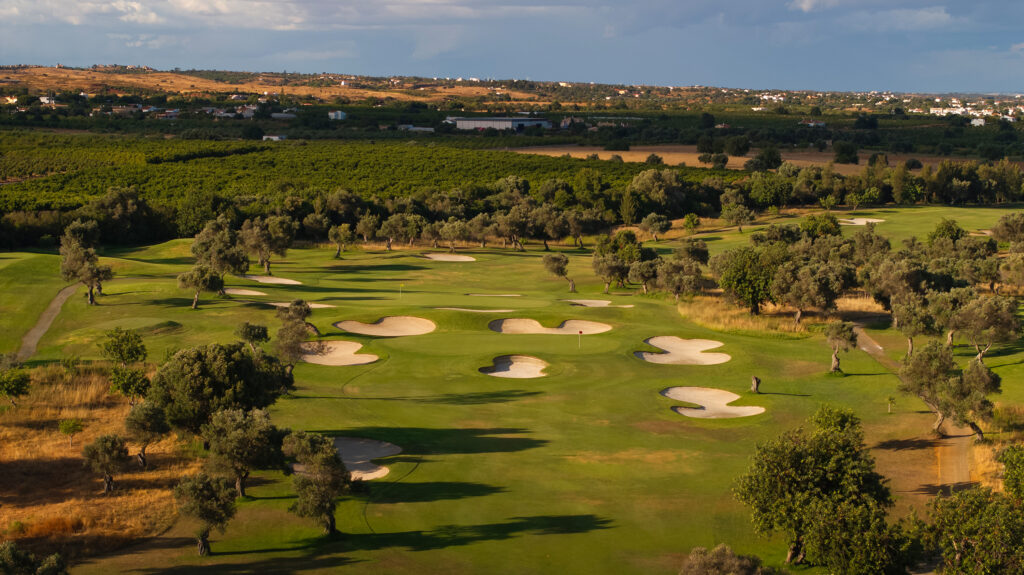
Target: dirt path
point(868, 345)
point(31, 339)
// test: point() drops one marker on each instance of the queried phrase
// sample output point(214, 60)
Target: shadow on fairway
point(909, 444)
point(943, 488)
point(376, 268)
point(428, 441)
point(457, 535)
point(275, 565)
point(428, 491)
point(473, 398)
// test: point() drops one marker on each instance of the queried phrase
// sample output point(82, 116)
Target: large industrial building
point(515, 124)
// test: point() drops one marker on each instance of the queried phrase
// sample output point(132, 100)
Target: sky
point(851, 45)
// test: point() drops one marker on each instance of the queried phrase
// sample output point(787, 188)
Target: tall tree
point(978, 531)
point(211, 500)
point(985, 321)
point(341, 236)
point(218, 247)
point(253, 335)
point(680, 275)
point(14, 383)
point(558, 266)
point(643, 272)
point(655, 224)
point(81, 264)
point(123, 347)
point(268, 237)
point(131, 383)
point(454, 231)
point(241, 441)
point(146, 423)
point(746, 273)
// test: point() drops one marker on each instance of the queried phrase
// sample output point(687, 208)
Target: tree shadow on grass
point(358, 269)
point(943, 488)
point(433, 441)
point(324, 563)
point(473, 398)
point(909, 444)
point(428, 491)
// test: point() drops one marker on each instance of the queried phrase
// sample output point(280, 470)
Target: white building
point(274, 137)
point(336, 115)
point(977, 122)
point(516, 124)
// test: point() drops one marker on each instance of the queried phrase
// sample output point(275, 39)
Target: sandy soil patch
point(516, 367)
point(714, 403)
point(494, 294)
point(239, 291)
point(335, 353)
point(312, 305)
point(859, 221)
point(449, 258)
point(568, 327)
point(679, 351)
point(476, 310)
point(390, 326)
point(358, 454)
point(272, 280)
point(594, 303)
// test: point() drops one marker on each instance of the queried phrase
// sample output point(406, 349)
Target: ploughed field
point(589, 468)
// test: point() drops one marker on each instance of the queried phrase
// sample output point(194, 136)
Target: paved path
point(31, 339)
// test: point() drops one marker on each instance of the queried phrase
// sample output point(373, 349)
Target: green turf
point(586, 470)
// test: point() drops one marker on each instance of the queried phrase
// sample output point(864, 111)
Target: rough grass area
point(50, 501)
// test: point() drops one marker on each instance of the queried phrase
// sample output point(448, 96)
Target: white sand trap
point(714, 402)
point(358, 454)
point(594, 303)
point(391, 326)
point(516, 367)
point(476, 310)
point(273, 280)
point(859, 221)
point(569, 327)
point(312, 305)
point(336, 353)
point(495, 294)
point(449, 258)
point(238, 291)
point(679, 351)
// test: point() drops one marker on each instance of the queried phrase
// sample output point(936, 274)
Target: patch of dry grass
point(49, 501)
point(714, 312)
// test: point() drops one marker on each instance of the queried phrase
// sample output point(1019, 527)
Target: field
point(675, 155)
point(584, 470)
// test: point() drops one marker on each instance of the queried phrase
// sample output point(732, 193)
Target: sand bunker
point(494, 294)
point(516, 367)
point(449, 258)
point(679, 351)
point(312, 305)
point(272, 280)
point(237, 291)
point(714, 402)
point(594, 303)
point(335, 353)
point(476, 310)
point(859, 221)
point(569, 327)
point(357, 454)
point(391, 326)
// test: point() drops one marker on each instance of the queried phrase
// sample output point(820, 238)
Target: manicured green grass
point(585, 470)
point(28, 281)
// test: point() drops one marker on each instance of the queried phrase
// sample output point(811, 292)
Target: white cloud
point(1018, 48)
point(901, 20)
point(811, 5)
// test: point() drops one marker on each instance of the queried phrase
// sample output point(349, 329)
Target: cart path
point(31, 339)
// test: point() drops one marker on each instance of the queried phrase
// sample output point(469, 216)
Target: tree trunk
point(337, 254)
point(99, 288)
point(387, 244)
point(142, 458)
point(796, 318)
point(795, 555)
point(607, 286)
point(978, 433)
point(195, 300)
point(92, 297)
point(981, 353)
point(435, 243)
point(108, 483)
point(330, 527)
point(755, 384)
point(940, 418)
point(546, 248)
point(451, 248)
point(677, 296)
point(580, 240)
point(910, 346)
point(644, 286)
point(572, 285)
point(755, 309)
point(203, 544)
point(655, 237)
point(835, 361)
point(266, 266)
point(240, 484)
point(949, 338)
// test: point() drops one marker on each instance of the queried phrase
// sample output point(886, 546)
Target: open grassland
point(584, 470)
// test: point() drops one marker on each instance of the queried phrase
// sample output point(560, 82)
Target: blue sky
point(903, 45)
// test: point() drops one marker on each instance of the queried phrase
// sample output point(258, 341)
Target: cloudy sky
point(906, 45)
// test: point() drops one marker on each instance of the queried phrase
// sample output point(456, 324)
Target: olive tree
point(199, 279)
point(643, 272)
point(253, 335)
point(985, 321)
point(680, 275)
point(840, 336)
point(123, 347)
point(131, 383)
point(146, 423)
point(241, 441)
point(14, 383)
point(107, 456)
point(320, 477)
point(558, 266)
point(655, 224)
point(210, 500)
point(341, 236)
point(218, 247)
point(16, 561)
point(268, 237)
point(81, 264)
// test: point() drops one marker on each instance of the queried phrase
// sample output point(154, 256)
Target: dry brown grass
point(49, 501)
point(714, 312)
